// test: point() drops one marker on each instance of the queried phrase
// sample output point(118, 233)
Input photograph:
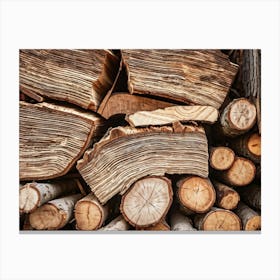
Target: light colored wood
point(118, 224)
point(32, 95)
point(180, 222)
point(251, 195)
point(33, 195)
point(172, 114)
point(161, 226)
point(125, 155)
point(55, 214)
point(89, 213)
point(147, 202)
point(221, 158)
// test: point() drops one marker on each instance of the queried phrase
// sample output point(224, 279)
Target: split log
point(221, 158)
point(227, 197)
point(196, 193)
point(118, 224)
point(53, 138)
point(251, 195)
point(238, 117)
point(218, 219)
point(200, 77)
point(172, 114)
point(89, 213)
point(161, 226)
point(81, 77)
point(33, 195)
point(125, 155)
point(180, 222)
point(147, 202)
point(55, 214)
point(251, 220)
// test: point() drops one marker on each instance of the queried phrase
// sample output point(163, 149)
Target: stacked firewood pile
point(140, 140)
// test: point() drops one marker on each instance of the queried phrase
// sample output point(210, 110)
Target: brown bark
point(221, 158)
point(161, 226)
point(118, 224)
point(180, 222)
point(251, 195)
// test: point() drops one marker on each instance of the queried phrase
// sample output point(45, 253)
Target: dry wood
point(33, 195)
point(125, 155)
point(196, 193)
point(118, 224)
point(147, 202)
point(81, 77)
point(200, 77)
point(180, 222)
point(238, 117)
point(172, 114)
point(227, 197)
point(221, 158)
point(53, 138)
point(251, 195)
point(161, 226)
point(89, 213)
point(26, 224)
point(55, 214)
point(251, 220)
point(32, 95)
point(218, 219)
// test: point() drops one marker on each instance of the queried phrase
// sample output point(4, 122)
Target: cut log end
point(161, 226)
point(254, 144)
point(29, 198)
point(221, 158)
point(230, 200)
point(253, 224)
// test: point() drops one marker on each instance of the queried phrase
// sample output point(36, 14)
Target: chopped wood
point(161, 226)
point(196, 193)
point(147, 202)
point(251, 195)
point(180, 222)
point(26, 224)
point(172, 114)
point(33, 95)
point(118, 224)
point(55, 214)
point(221, 158)
point(200, 77)
point(53, 138)
point(89, 213)
point(81, 77)
point(125, 155)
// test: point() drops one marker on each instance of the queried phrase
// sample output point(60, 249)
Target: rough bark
point(180, 222)
point(251, 195)
point(118, 224)
point(221, 158)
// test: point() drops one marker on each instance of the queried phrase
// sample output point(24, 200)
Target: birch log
point(180, 222)
point(118, 224)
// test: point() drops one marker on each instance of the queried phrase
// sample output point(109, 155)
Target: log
point(81, 77)
point(251, 195)
point(218, 220)
point(26, 224)
point(33, 195)
point(125, 155)
point(207, 114)
point(221, 158)
point(53, 138)
point(55, 214)
point(227, 198)
point(89, 213)
point(238, 117)
point(180, 222)
point(196, 193)
point(251, 220)
point(198, 77)
point(161, 226)
point(118, 224)
point(147, 202)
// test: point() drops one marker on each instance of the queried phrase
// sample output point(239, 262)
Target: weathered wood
point(172, 114)
point(221, 158)
point(147, 202)
point(161, 226)
point(218, 220)
point(55, 214)
point(196, 193)
point(251, 220)
point(81, 77)
point(53, 138)
point(32, 95)
point(251, 195)
point(180, 222)
point(33, 195)
point(125, 155)
point(200, 77)
point(89, 213)
point(227, 197)
point(118, 224)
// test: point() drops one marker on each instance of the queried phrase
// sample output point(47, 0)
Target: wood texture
point(221, 158)
point(161, 226)
point(251, 195)
point(118, 224)
point(53, 138)
point(125, 155)
point(200, 77)
point(180, 222)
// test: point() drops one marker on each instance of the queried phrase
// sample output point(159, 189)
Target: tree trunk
point(251, 195)
point(180, 222)
point(221, 158)
point(118, 224)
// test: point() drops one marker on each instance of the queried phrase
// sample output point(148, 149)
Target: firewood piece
point(221, 158)
point(238, 117)
point(125, 103)
point(118, 224)
point(81, 77)
point(125, 155)
point(55, 214)
point(251, 220)
point(33, 95)
point(89, 213)
point(241, 173)
point(251, 195)
point(200, 77)
point(147, 202)
point(227, 197)
point(180, 222)
point(161, 226)
point(26, 224)
point(196, 193)
point(172, 114)
point(248, 145)
point(53, 138)
point(218, 219)
point(33, 195)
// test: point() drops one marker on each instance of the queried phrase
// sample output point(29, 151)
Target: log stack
point(139, 140)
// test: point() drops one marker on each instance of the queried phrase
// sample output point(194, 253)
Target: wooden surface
point(251, 195)
point(221, 158)
point(118, 224)
point(180, 222)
